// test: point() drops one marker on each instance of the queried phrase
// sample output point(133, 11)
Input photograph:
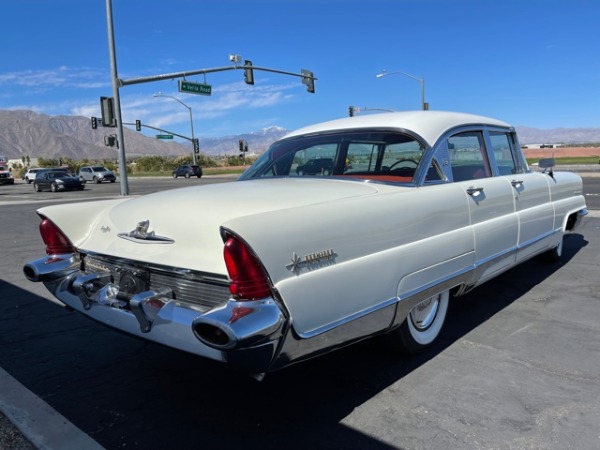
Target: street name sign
point(164, 136)
point(195, 88)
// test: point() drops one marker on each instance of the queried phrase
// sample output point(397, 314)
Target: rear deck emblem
point(311, 261)
point(141, 234)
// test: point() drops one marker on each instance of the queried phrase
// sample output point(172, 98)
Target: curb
point(41, 425)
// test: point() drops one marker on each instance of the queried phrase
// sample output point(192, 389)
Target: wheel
point(53, 187)
point(301, 172)
point(174, 175)
point(422, 326)
point(187, 175)
point(36, 188)
point(96, 180)
point(326, 172)
point(28, 180)
point(112, 181)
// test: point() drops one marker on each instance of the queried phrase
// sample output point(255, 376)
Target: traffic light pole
point(307, 78)
point(124, 183)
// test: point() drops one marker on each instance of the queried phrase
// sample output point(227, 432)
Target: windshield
point(374, 155)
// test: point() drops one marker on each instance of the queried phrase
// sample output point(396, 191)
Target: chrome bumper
point(245, 334)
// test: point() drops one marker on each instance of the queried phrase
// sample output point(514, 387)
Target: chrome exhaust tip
point(240, 324)
point(50, 268)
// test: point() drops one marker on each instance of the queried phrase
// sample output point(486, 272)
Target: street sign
point(195, 88)
point(164, 136)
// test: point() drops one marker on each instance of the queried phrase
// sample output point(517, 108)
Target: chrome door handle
point(474, 191)
point(516, 183)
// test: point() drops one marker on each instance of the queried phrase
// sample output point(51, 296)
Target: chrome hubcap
point(423, 315)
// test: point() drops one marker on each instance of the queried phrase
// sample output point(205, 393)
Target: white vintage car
point(408, 209)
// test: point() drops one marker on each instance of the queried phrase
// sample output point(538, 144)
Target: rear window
point(374, 155)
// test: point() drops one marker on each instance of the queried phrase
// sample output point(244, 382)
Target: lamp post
point(424, 106)
point(160, 94)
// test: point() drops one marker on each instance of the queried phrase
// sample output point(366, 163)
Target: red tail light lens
point(56, 242)
point(248, 278)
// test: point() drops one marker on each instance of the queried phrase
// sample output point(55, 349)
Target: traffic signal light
point(138, 125)
point(241, 145)
point(351, 111)
point(108, 112)
point(248, 72)
point(110, 140)
point(196, 145)
point(309, 80)
point(94, 123)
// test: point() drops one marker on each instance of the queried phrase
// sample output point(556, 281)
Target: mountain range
point(27, 133)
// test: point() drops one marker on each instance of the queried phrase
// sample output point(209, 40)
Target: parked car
point(276, 268)
point(31, 173)
point(6, 176)
point(96, 174)
point(319, 166)
point(187, 170)
point(57, 180)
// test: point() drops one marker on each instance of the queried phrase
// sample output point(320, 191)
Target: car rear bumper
point(245, 334)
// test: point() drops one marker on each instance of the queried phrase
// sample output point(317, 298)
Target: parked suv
point(96, 174)
point(187, 170)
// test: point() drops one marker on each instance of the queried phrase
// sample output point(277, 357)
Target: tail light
point(56, 242)
point(248, 278)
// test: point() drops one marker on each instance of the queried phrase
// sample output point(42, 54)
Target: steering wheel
point(409, 160)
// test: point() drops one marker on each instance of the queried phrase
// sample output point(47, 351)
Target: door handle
point(474, 191)
point(517, 183)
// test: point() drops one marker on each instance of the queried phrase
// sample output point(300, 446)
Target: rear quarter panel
point(384, 245)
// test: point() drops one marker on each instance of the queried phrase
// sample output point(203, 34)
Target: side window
point(508, 158)
point(503, 153)
point(362, 157)
point(468, 157)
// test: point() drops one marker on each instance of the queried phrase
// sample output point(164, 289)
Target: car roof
point(430, 125)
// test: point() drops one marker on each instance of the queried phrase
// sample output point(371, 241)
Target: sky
point(532, 63)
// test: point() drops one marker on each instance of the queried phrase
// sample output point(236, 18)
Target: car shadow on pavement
point(129, 393)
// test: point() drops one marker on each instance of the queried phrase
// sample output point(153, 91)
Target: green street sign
point(164, 136)
point(195, 88)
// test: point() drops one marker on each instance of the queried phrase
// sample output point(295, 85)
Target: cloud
point(59, 77)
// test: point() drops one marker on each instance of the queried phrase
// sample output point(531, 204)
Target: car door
point(491, 203)
point(531, 192)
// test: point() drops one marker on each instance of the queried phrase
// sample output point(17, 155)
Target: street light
point(424, 106)
point(160, 94)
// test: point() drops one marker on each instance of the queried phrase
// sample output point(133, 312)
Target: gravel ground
point(11, 438)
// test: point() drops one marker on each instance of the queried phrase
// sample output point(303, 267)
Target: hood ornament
point(141, 234)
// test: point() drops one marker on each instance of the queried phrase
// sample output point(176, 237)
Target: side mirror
point(547, 163)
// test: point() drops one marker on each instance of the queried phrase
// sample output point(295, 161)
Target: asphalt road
point(518, 367)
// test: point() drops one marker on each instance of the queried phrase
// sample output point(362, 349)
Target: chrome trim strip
point(413, 298)
point(539, 238)
point(351, 318)
point(187, 273)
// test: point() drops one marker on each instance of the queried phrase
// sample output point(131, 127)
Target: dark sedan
point(187, 170)
point(57, 180)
